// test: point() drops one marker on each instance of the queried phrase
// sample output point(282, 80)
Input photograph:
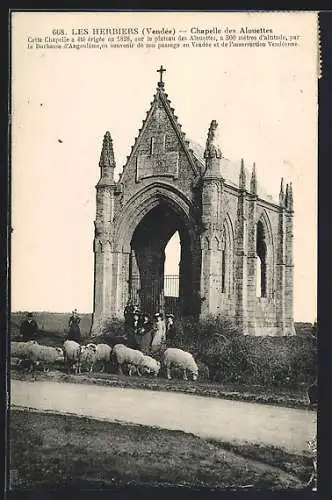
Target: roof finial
point(282, 193)
point(253, 180)
point(161, 70)
point(290, 197)
point(212, 149)
point(286, 195)
point(107, 154)
point(242, 176)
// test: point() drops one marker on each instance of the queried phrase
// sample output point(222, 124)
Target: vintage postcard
point(164, 250)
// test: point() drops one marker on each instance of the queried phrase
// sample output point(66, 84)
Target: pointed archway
point(147, 262)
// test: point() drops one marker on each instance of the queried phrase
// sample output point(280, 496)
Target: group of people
point(29, 327)
point(146, 333)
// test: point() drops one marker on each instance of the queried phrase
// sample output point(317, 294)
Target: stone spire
point(242, 176)
point(290, 198)
point(286, 195)
point(282, 193)
point(253, 180)
point(212, 149)
point(212, 153)
point(107, 161)
point(107, 154)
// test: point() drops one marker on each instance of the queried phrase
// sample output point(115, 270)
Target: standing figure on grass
point(74, 327)
point(29, 328)
point(129, 315)
point(159, 334)
point(170, 330)
point(144, 334)
point(133, 330)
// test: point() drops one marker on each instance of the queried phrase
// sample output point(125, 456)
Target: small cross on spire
point(161, 70)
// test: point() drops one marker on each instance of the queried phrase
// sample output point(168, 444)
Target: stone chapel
point(236, 241)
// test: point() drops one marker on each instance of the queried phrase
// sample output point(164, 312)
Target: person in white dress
point(159, 333)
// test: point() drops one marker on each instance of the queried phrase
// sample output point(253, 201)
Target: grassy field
point(50, 451)
point(56, 323)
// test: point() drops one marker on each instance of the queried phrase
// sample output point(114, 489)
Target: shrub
point(231, 357)
point(114, 327)
point(206, 336)
point(269, 361)
point(113, 333)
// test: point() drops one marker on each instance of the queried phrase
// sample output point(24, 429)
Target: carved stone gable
point(157, 164)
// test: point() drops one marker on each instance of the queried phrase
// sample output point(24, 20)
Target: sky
point(265, 102)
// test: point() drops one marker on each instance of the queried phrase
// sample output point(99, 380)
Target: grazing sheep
point(102, 355)
point(21, 349)
point(125, 355)
point(72, 354)
point(149, 365)
point(91, 354)
point(45, 355)
point(87, 357)
point(182, 360)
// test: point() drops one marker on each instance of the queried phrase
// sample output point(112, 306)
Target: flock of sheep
point(78, 358)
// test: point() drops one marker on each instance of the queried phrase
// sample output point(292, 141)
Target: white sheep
point(45, 355)
point(124, 355)
point(21, 349)
point(182, 360)
point(72, 353)
point(87, 357)
point(91, 354)
point(149, 365)
point(102, 355)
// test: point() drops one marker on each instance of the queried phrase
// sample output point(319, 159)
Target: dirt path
point(223, 419)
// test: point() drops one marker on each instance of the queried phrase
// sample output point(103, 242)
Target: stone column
point(241, 257)
point(289, 268)
point(205, 275)
point(103, 248)
point(212, 232)
point(281, 263)
point(252, 257)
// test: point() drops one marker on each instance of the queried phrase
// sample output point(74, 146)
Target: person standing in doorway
point(29, 328)
point(144, 337)
point(129, 316)
point(170, 330)
point(74, 327)
point(159, 334)
point(134, 331)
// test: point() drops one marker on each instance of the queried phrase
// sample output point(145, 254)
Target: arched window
point(223, 264)
point(261, 261)
point(227, 256)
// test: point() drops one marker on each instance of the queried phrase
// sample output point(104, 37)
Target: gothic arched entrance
point(147, 263)
point(154, 215)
